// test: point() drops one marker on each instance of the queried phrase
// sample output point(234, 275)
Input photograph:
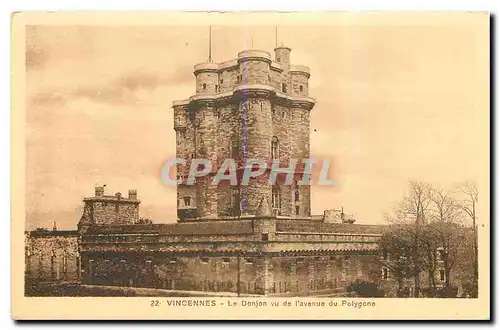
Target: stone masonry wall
point(197, 273)
point(112, 211)
point(208, 131)
point(52, 258)
point(255, 72)
point(298, 80)
point(264, 274)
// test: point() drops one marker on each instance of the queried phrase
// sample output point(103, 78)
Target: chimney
point(99, 191)
point(132, 194)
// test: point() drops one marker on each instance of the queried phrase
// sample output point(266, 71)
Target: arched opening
point(275, 198)
point(234, 148)
point(235, 209)
point(297, 199)
point(274, 148)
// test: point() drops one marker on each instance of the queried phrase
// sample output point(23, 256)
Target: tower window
point(441, 275)
point(274, 148)
point(301, 88)
point(283, 114)
point(180, 137)
point(297, 210)
point(216, 88)
point(187, 201)
point(283, 88)
point(265, 237)
point(275, 198)
point(65, 265)
point(278, 59)
point(297, 193)
point(235, 201)
point(235, 148)
point(204, 86)
point(385, 273)
point(221, 81)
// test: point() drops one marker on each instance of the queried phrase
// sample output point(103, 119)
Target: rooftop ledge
point(300, 68)
point(240, 88)
point(213, 66)
point(254, 53)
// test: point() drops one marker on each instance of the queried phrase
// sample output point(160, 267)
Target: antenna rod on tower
point(210, 43)
point(276, 36)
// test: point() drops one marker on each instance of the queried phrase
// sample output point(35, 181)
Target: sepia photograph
point(334, 159)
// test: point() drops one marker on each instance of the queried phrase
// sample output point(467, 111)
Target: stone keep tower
point(109, 209)
point(251, 107)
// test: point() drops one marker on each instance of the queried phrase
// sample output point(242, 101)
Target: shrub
point(450, 292)
point(365, 289)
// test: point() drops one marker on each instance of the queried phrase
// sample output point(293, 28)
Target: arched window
point(274, 148)
point(284, 88)
point(234, 148)
point(275, 198)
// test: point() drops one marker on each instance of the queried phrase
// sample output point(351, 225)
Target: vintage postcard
point(314, 166)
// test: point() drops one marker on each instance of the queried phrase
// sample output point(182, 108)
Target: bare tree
point(395, 246)
point(410, 216)
point(430, 258)
point(446, 224)
point(468, 203)
point(427, 234)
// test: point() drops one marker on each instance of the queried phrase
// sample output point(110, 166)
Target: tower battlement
point(251, 107)
point(114, 209)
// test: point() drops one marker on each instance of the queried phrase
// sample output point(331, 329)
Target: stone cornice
point(206, 67)
point(300, 69)
point(254, 55)
point(242, 56)
point(249, 90)
point(326, 233)
point(111, 200)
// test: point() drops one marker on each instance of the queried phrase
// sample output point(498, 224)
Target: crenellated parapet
point(255, 106)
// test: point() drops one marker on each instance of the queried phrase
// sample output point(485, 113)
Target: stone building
point(251, 107)
point(256, 238)
point(106, 210)
point(52, 255)
point(247, 239)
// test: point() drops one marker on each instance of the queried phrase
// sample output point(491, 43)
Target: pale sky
point(394, 102)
